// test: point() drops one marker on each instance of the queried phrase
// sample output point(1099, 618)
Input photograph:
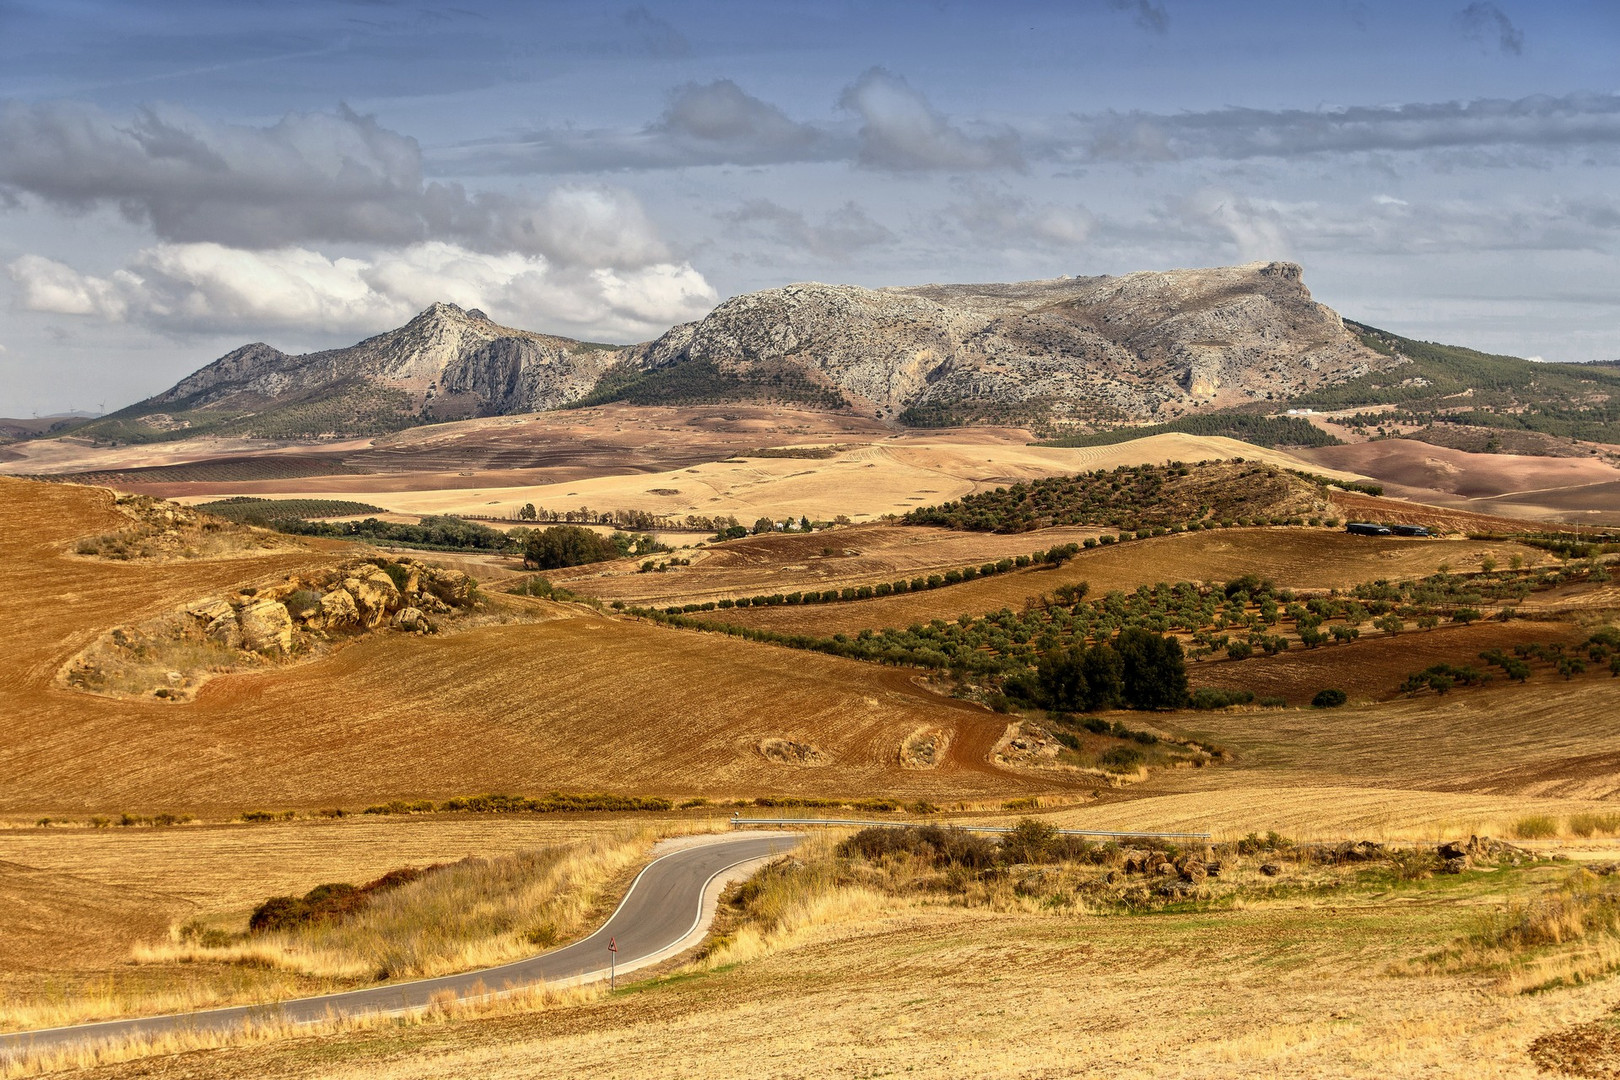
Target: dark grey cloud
point(720, 120)
point(720, 123)
point(901, 131)
point(1571, 122)
point(715, 123)
point(837, 235)
point(309, 178)
point(1489, 25)
point(1149, 15)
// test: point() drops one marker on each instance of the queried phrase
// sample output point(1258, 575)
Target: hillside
point(1132, 348)
point(445, 364)
point(1083, 350)
point(1445, 385)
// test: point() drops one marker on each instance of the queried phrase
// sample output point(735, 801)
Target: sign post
point(613, 964)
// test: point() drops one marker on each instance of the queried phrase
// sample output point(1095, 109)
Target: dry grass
point(478, 912)
point(1301, 986)
point(76, 904)
point(1564, 936)
point(526, 1001)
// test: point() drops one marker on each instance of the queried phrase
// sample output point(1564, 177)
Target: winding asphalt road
point(666, 912)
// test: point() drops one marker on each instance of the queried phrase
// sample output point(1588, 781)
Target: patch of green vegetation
point(1036, 413)
point(245, 508)
point(700, 382)
point(1159, 497)
point(1272, 431)
point(1051, 652)
point(1465, 386)
point(355, 408)
point(432, 533)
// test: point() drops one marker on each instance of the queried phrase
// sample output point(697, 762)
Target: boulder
point(1359, 851)
point(412, 620)
point(1271, 869)
point(223, 630)
point(392, 600)
point(452, 586)
point(370, 600)
point(1454, 866)
point(266, 627)
point(210, 609)
point(1193, 870)
point(337, 611)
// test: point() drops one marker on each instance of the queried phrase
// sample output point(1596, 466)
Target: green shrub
point(1329, 698)
point(1536, 827)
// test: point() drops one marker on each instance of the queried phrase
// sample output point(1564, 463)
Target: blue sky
point(178, 178)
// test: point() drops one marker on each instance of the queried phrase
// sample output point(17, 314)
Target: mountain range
point(1141, 347)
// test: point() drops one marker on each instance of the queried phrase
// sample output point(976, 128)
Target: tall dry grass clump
point(474, 913)
point(789, 899)
point(444, 1009)
point(1565, 937)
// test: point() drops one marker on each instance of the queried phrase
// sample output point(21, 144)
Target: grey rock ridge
point(1142, 346)
point(1139, 346)
point(446, 363)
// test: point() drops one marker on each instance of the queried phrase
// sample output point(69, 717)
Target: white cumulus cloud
point(207, 287)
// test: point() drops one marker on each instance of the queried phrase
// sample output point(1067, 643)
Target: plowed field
point(1297, 558)
point(584, 703)
point(792, 562)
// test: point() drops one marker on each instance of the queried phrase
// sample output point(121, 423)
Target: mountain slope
point(445, 364)
point(1137, 347)
point(1104, 350)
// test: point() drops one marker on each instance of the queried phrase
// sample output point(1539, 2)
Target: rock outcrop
point(1140, 346)
point(300, 616)
point(445, 364)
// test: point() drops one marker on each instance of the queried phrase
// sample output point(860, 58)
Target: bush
point(936, 846)
point(1029, 842)
point(1329, 699)
point(1535, 827)
point(1209, 697)
point(1122, 759)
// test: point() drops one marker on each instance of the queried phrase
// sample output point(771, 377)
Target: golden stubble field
point(582, 703)
point(1303, 987)
point(871, 473)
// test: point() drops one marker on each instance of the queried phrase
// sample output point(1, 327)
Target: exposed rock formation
point(1137, 346)
point(446, 363)
point(1142, 346)
point(299, 616)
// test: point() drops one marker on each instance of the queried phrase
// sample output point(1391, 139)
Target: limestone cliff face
point(1141, 345)
point(444, 363)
